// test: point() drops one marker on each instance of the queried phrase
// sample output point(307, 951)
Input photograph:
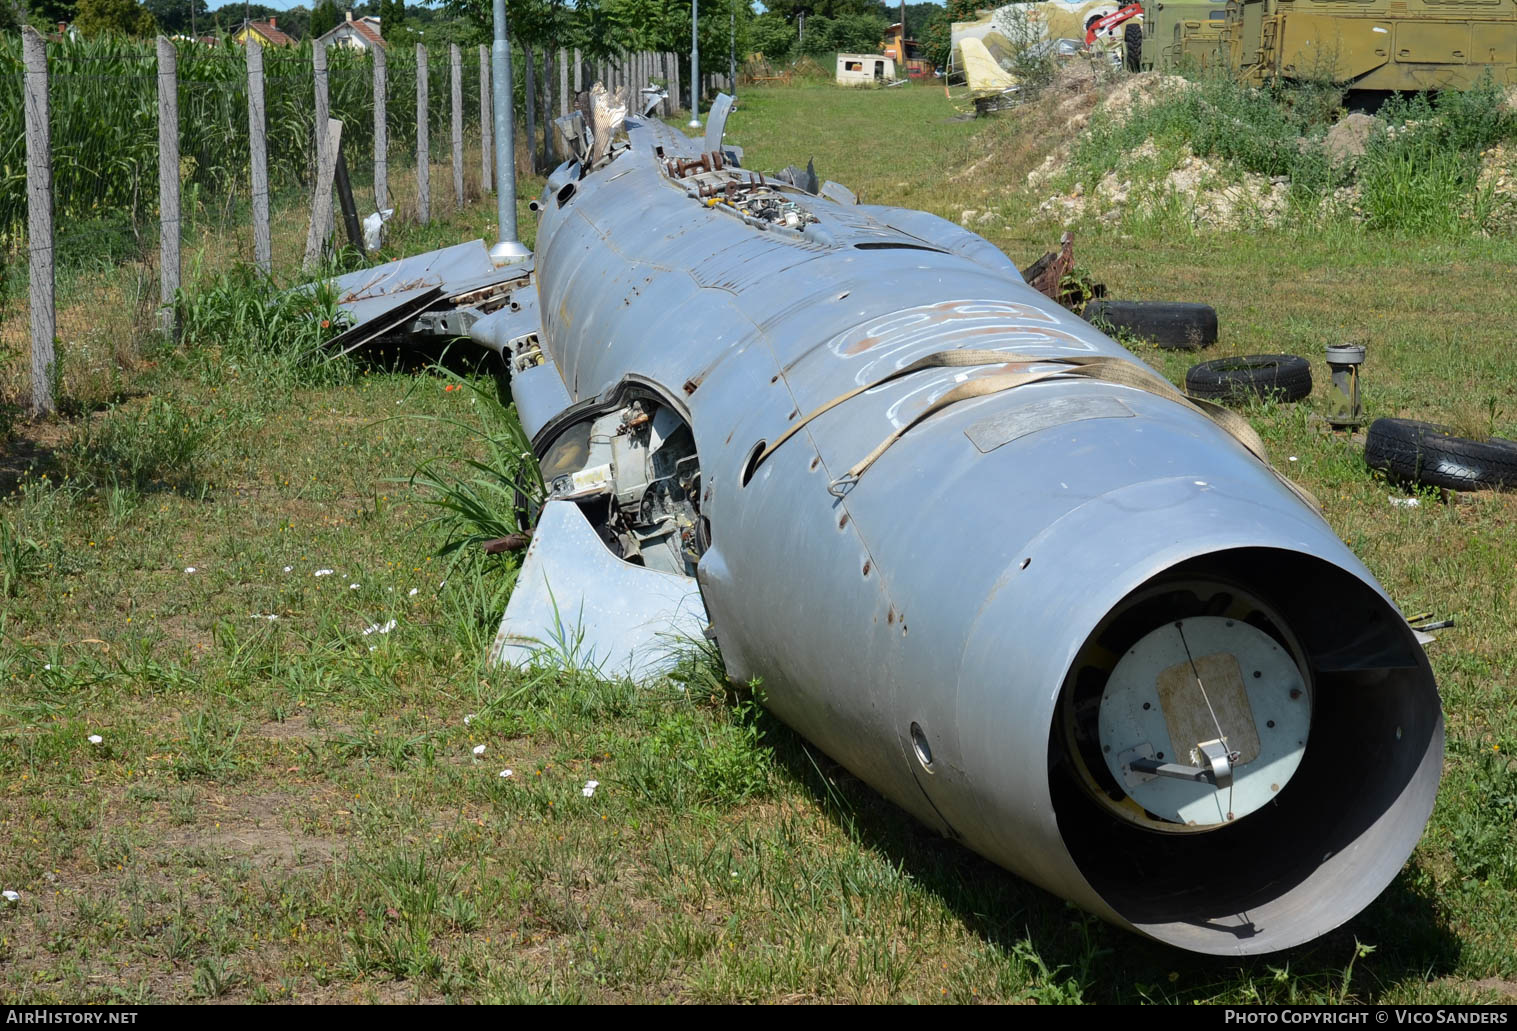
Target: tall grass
point(1420, 172)
point(1273, 132)
point(482, 499)
point(243, 318)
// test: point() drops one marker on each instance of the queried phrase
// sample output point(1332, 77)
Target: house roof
point(365, 27)
point(270, 33)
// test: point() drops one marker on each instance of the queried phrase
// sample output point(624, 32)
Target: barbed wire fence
point(128, 169)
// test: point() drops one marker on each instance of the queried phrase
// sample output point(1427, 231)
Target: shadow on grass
point(1406, 925)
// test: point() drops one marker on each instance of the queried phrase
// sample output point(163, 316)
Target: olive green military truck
point(1363, 44)
point(1373, 44)
point(1176, 34)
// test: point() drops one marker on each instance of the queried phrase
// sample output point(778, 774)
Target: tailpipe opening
point(1245, 751)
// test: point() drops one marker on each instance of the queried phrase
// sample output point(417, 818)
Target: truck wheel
point(1132, 46)
point(1176, 325)
point(1283, 377)
point(1425, 453)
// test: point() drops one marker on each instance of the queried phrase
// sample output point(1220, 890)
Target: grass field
point(228, 579)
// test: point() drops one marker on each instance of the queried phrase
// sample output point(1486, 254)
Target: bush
point(1421, 172)
point(772, 36)
point(278, 334)
point(1274, 132)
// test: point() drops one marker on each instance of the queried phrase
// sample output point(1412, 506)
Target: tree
point(10, 16)
point(173, 16)
point(51, 12)
point(855, 33)
point(324, 18)
point(789, 9)
point(772, 36)
point(938, 36)
point(113, 17)
point(392, 15)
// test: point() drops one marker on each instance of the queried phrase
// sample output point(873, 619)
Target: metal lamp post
point(695, 65)
point(508, 249)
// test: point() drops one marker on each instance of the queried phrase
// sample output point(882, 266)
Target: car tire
point(1425, 453)
point(1279, 377)
point(1176, 325)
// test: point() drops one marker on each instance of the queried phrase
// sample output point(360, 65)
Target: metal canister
point(1345, 408)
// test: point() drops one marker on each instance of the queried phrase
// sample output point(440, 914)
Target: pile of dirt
point(1142, 89)
point(1349, 139)
point(1211, 196)
point(1082, 91)
point(1498, 179)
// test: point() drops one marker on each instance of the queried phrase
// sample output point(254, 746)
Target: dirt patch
point(251, 827)
point(1349, 139)
point(1507, 990)
point(295, 728)
point(1136, 91)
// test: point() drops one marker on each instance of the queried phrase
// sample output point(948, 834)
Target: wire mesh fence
point(103, 128)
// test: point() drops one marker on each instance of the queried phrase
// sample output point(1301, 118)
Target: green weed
point(156, 445)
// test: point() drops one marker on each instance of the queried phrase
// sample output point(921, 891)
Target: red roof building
point(359, 33)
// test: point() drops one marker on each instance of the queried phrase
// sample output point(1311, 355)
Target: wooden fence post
point(529, 75)
point(423, 154)
point(258, 150)
point(321, 201)
point(168, 186)
point(456, 62)
point(39, 219)
point(563, 82)
point(323, 101)
point(547, 102)
point(486, 130)
point(381, 131)
point(674, 82)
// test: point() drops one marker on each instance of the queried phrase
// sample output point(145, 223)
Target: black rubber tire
point(1132, 46)
point(1427, 454)
point(1281, 377)
point(1175, 325)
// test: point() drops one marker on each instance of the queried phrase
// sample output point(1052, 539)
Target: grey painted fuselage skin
point(953, 587)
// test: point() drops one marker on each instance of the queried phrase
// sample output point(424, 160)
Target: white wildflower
point(96, 739)
point(323, 572)
point(189, 569)
point(589, 789)
point(479, 750)
point(10, 896)
point(506, 774)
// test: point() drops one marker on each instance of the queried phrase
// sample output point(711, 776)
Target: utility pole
point(508, 249)
point(732, 46)
point(695, 65)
